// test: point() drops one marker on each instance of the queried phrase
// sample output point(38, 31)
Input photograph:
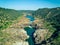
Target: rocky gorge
point(28, 31)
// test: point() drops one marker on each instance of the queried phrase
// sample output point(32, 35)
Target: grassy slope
point(7, 17)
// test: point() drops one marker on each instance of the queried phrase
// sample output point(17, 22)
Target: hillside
point(51, 17)
point(7, 16)
point(11, 27)
point(26, 11)
point(50, 14)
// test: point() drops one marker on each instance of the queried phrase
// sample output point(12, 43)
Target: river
point(30, 30)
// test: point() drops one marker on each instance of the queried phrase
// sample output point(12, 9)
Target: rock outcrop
point(41, 35)
point(15, 37)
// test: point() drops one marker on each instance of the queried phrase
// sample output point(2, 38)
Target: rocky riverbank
point(41, 33)
point(16, 37)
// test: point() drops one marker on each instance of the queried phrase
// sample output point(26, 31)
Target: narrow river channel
point(30, 30)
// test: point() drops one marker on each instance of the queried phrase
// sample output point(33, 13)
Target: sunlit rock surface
point(21, 43)
point(41, 35)
point(16, 37)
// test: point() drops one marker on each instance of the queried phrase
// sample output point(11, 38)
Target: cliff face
point(42, 33)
